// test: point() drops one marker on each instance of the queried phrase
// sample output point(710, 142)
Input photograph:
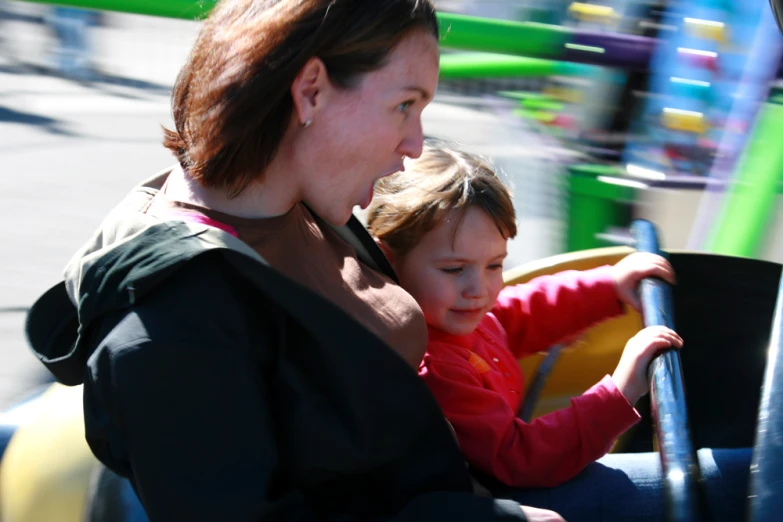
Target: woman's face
point(362, 134)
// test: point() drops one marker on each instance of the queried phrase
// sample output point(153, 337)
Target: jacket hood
point(126, 259)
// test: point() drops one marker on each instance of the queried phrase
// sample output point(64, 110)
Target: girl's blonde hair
point(442, 181)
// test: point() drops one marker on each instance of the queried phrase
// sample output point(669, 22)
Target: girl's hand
point(635, 267)
point(630, 376)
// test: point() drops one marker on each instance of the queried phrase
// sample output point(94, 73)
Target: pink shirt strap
point(195, 217)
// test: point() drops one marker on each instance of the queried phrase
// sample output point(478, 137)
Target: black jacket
point(226, 391)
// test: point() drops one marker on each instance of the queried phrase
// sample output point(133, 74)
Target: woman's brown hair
point(232, 100)
point(440, 182)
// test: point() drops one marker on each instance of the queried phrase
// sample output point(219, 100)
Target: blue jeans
point(628, 486)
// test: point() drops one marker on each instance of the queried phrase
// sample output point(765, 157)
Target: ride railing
point(667, 394)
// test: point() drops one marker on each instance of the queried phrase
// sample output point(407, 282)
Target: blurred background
point(595, 112)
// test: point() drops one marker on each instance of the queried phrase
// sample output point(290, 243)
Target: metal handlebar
point(667, 395)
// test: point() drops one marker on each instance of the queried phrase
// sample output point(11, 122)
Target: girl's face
point(362, 134)
point(455, 272)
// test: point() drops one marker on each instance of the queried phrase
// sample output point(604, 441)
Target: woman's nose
point(413, 142)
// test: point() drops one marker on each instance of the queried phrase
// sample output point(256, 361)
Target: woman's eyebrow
point(422, 91)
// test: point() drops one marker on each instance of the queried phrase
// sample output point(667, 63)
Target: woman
point(241, 358)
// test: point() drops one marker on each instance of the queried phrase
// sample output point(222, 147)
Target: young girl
point(444, 223)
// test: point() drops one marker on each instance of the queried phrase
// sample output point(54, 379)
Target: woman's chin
point(334, 215)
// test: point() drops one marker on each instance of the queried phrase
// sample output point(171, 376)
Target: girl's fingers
point(662, 270)
point(661, 336)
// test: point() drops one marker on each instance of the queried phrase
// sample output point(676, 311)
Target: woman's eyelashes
point(404, 106)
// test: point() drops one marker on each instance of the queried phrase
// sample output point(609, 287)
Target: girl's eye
point(496, 267)
point(451, 270)
point(404, 106)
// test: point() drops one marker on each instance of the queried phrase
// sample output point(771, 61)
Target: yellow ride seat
point(46, 469)
point(596, 352)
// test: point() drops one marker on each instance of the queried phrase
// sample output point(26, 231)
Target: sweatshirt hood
point(127, 258)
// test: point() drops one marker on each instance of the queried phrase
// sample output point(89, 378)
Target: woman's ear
point(307, 90)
